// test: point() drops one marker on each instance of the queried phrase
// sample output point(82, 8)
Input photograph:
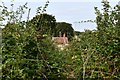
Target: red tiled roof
point(60, 40)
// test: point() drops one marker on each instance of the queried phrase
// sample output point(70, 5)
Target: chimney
point(60, 34)
point(64, 35)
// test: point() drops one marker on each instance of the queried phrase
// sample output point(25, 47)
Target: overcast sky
point(70, 11)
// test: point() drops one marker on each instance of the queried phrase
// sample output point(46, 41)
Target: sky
point(70, 11)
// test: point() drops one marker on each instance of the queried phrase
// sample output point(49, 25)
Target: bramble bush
point(29, 54)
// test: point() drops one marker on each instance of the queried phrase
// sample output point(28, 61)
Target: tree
point(44, 23)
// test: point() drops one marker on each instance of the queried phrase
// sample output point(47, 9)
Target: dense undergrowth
point(29, 54)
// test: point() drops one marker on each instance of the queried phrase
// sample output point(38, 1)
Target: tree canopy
point(44, 23)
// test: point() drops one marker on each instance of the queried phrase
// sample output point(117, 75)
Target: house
point(61, 41)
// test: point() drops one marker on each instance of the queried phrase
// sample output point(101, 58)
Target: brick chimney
point(60, 34)
point(64, 35)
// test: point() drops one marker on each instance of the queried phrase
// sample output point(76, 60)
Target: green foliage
point(25, 56)
point(95, 54)
point(28, 54)
point(108, 38)
point(10, 15)
point(44, 23)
